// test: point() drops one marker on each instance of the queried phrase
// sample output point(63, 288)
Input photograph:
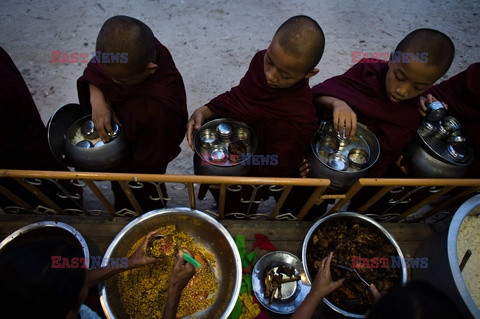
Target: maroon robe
point(462, 95)
point(23, 136)
point(153, 113)
point(284, 120)
point(23, 139)
point(362, 87)
point(154, 116)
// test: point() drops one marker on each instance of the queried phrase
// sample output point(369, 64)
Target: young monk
point(384, 96)
point(23, 142)
point(462, 95)
point(145, 94)
point(274, 97)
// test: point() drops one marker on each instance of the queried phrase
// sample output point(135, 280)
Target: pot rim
point(463, 211)
point(46, 224)
point(363, 218)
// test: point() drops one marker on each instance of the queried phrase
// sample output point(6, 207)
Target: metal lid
point(99, 144)
point(88, 129)
point(224, 130)
point(115, 132)
point(218, 154)
point(457, 151)
point(435, 111)
point(338, 162)
point(84, 144)
point(450, 124)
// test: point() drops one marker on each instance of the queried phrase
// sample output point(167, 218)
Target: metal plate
point(57, 128)
point(269, 261)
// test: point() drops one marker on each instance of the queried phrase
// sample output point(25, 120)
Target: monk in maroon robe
point(146, 95)
point(274, 97)
point(461, 93)
point(23, 141)
point(384, 96)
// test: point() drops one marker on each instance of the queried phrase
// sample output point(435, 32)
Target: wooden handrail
point(444, 193)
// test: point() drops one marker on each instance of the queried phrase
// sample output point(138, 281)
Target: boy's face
point(282, 70)
point(408, 80)
point(122, 75)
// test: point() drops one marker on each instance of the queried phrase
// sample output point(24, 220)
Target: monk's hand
point(304, 169)
point(195, 122)
point(424, 101)
point(102, 114)
point(323, 284)
point(344, 119)
point(181, 273)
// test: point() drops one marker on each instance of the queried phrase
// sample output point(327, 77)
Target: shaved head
point(438, 47)
point(123, 34)
point(301, 37)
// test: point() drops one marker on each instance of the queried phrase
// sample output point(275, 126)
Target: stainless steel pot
point(361, 218)
point(322, 144)
point(212, 156)
point(207, 230)
point(445, 155)
point(44, 230)
point(95, 158)
point(443, 269)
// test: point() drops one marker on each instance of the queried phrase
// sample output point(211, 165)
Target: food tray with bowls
point(279, 282)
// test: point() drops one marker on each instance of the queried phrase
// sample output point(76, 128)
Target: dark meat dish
point(350, 239)
point(237, 150)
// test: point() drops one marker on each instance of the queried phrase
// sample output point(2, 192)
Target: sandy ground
point(212, 42)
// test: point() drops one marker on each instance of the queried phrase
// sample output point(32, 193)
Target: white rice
point(469, 238)
point(79, 137)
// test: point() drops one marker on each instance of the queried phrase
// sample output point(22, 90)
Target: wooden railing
point(383, 199)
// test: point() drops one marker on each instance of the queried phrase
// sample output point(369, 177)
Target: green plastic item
point(191, 260)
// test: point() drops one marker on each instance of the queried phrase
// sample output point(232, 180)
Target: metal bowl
point(233, 132)
point(358, 158)
point(293, 293)
point(101, 156)
point(199, 225)
point(362, 219)
point(45, 230)
point(319, 159)
point(57, 128)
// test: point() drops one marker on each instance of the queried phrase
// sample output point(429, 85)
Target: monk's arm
point(343, 116)
point(102, 113)
point(196, 120)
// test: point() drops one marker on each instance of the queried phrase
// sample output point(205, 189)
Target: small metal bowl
point(88, 130)
point(224, 131)
point(208, 138)
point(358, 158)
point(242, 134)
point(338, 162)
point(435, 111)
point(328, 146)
point(218, 154)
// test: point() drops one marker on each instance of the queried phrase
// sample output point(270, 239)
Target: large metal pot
point(45, 230)
point(95, 158)
point(199, 225)
point(429, 155)
point(307, 246)
point(207, 141)
point(324, 145)
point(443, 269)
